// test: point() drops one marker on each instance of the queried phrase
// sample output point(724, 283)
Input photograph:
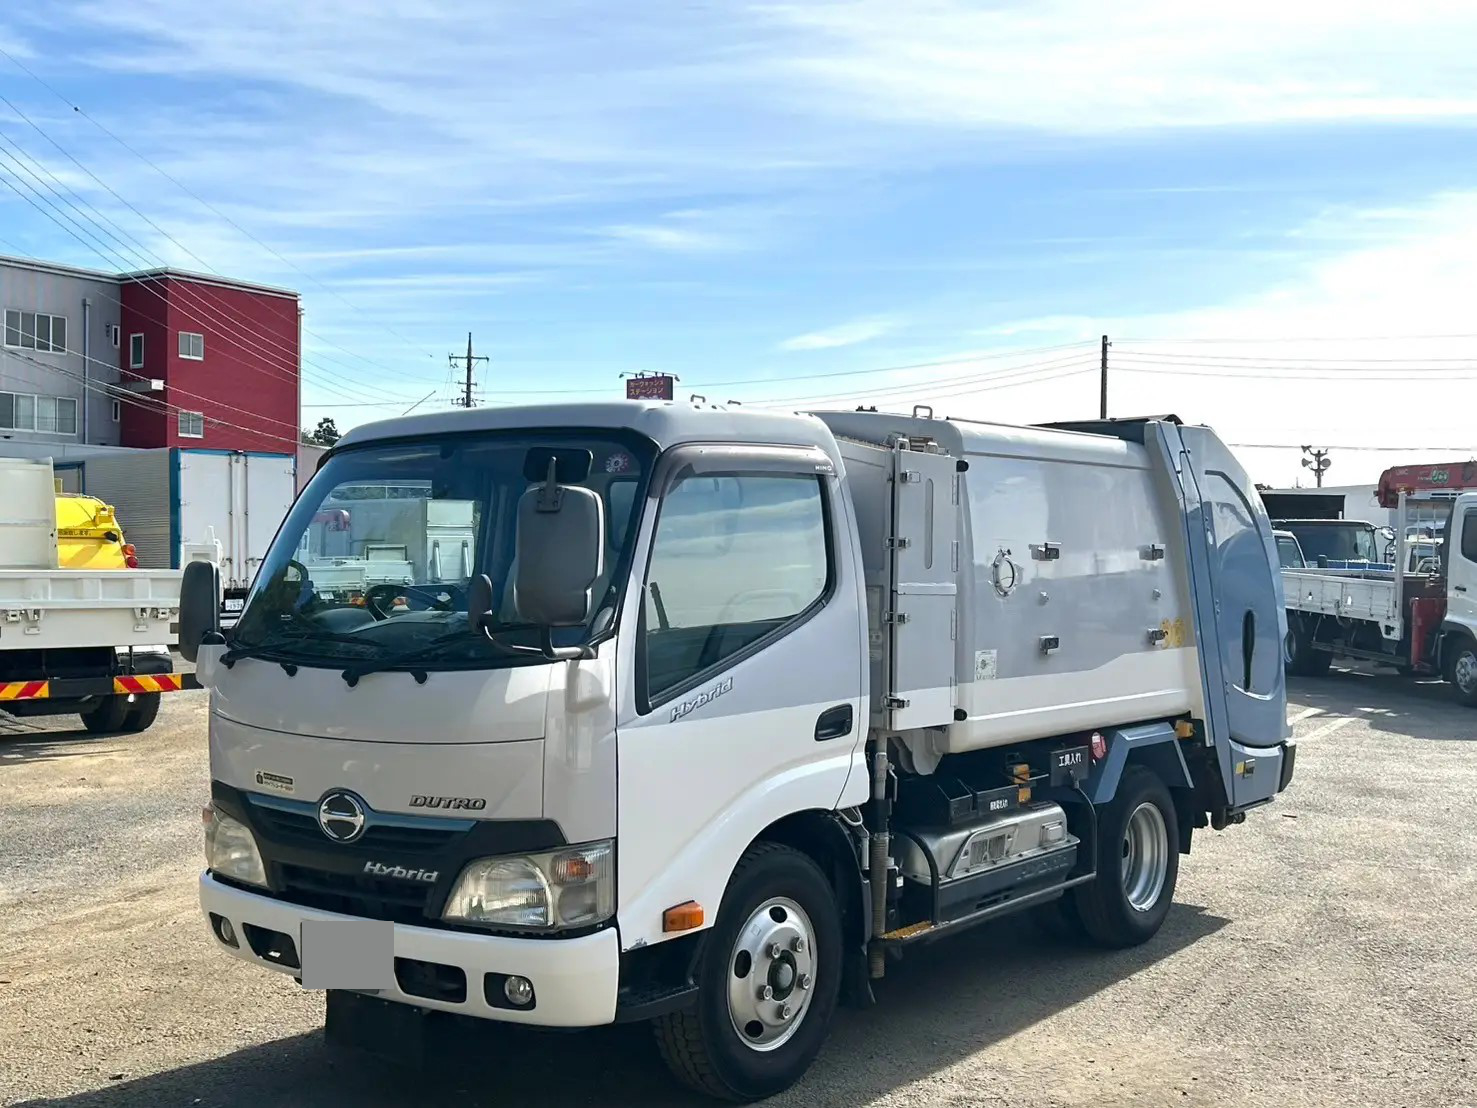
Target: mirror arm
point(563, 653)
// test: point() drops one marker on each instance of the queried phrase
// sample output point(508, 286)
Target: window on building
point(53, 415)
point(117, 410)
point(736, 559)
point(191, 425)
point(36, 331)
point(191, 346)
point(115, 334)
point(136, 351)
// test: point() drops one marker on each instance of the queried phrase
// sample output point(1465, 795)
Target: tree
point(325, 434)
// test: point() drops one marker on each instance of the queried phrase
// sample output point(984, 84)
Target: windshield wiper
point(425, 650)
point(265, 650)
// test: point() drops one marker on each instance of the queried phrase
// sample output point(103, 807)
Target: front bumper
point(574, 980)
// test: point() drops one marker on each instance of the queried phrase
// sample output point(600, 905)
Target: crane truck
point(1416, 610)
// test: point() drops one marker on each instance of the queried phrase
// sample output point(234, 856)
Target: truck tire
point(141, 713)
point(769, 977)
point(107, 717)
point(1138, 863)
point(1299, 656)
point(1461, 669)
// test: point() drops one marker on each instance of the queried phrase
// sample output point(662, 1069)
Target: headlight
point(574, 887)
point(230, 849)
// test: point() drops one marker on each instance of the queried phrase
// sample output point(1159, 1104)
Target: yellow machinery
point(88, 535)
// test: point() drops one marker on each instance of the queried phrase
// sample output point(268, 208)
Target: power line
point(195, 296)
point(955, 387)
point(223, 331)
point(1353, 363)
point(203, 202)
point(1423, 447)
point(148, 404)
point(1178, 369)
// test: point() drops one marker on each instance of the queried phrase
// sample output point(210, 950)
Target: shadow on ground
point(1412, 708)
point(945, 1003)
point(21, 741)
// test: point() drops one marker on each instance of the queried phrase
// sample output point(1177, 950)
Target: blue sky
point(779, 202)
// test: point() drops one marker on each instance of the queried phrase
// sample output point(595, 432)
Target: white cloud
point(1074, 66)
point(847, 334)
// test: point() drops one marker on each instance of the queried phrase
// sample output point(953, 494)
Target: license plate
point(233, 604)
point(1069, 764)
point(348, 954)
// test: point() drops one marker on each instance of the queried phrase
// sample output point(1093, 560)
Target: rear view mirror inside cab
point(571, 464)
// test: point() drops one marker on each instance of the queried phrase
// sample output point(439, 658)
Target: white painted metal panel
point(57, 608)
point(240, 499)
point(921, 620)
point(27, 514)
point(1346, 596)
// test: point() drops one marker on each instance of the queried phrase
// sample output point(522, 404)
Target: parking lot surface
point(1325, 952)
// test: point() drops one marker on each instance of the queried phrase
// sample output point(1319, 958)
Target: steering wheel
point(389, 590)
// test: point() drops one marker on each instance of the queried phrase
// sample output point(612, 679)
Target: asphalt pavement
point(1325, 952)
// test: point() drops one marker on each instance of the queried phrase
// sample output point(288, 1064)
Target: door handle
point(834, 723)
point(1460, 588)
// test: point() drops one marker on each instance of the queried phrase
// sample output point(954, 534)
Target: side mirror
point(199, 607)
point(561, 553)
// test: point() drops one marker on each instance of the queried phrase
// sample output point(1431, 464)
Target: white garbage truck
point(730, 710)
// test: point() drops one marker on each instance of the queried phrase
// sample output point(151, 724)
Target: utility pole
point(1318, 461)
point(467, 360)
point(1103, 399)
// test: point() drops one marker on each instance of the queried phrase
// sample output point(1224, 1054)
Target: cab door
point(1461, 562)
point(742, 670)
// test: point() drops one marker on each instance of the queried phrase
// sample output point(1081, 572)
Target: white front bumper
point(574, 980)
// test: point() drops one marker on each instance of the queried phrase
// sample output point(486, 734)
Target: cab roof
point(666, 423)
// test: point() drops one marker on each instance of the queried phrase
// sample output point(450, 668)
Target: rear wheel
point(142, 713)
point(107, 717)
point(1138, 864)
point(1461, 670)
point(769, 979)
point(1299, 656)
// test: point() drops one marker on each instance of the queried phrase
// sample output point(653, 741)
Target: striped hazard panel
point(149, 683)
point(25, 690)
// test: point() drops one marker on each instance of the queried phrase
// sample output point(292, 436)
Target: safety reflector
point(148, 683)
point(25, 690)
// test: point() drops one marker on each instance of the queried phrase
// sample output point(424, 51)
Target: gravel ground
point(1322, 953)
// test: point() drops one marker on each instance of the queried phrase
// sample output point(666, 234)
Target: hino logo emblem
point(341, 816)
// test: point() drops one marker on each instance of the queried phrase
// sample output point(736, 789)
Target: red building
point(221, 358)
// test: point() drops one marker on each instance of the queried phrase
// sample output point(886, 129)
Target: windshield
point(375, 558)
point(1336, 542)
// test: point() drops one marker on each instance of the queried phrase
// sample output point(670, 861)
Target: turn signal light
point(684, 917)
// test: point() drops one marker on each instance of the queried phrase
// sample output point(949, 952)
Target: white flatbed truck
point(732, 710)
point(90, 642)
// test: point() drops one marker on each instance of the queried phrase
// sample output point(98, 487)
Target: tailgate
point(60, 608)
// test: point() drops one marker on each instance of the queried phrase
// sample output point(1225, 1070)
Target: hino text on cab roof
point(730, 710)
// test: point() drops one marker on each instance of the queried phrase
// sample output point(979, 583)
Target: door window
point(1469, 535)
point(735, 561)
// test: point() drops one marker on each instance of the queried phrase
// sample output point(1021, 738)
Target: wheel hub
point(771, 972)
point(1465, 671)
point(1145, 857)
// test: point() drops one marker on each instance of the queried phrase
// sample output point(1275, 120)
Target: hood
point(452, 707)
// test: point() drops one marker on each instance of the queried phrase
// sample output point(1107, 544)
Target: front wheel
point(1461, 671)
point(769, 978)
point(1138, 863)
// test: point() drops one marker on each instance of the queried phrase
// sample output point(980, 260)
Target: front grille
point(353, 894)
point(301, 829)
